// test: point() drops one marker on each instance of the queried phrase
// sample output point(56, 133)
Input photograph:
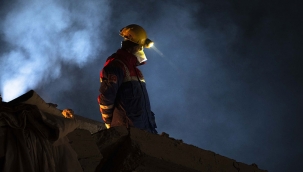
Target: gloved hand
point(107, 126)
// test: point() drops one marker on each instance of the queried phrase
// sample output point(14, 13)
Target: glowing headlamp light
point(148, 43)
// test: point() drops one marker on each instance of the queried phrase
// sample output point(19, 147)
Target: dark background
point(227, 76)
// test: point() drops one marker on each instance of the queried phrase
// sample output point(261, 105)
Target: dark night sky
point(228, 77)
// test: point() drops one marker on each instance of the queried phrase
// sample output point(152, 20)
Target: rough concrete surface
point(136, 150)
point(88, 154)
point(88, 124)
point(133, 150)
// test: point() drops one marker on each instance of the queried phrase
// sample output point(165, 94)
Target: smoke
point(44, 35)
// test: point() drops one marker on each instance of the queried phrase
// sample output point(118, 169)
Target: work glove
point(107, 126)
point(107, 118)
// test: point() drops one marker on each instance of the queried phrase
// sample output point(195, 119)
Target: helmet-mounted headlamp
point(148, 43)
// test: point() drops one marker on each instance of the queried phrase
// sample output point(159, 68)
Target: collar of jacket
point(128, 58)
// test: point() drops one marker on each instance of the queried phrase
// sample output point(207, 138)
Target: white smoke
point(44, 35)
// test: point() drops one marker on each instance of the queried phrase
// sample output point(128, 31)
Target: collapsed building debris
point(34, 136)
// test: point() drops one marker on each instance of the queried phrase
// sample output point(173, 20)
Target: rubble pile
point(34, 139)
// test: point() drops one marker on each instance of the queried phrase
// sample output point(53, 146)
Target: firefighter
point(123, 97)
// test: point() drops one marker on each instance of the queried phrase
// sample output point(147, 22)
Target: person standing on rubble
point(123, 97)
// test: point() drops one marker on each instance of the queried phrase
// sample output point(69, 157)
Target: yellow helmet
point(136, 34)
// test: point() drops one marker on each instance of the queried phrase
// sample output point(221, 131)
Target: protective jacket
point(123, 96)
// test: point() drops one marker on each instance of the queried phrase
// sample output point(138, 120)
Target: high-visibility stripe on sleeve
point(107, 115)
point(107, 118)
point(106, 106)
